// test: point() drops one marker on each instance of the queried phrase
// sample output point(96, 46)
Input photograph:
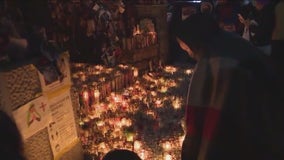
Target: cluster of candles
point(100, 81)
point(140, 39)
point(145, 117)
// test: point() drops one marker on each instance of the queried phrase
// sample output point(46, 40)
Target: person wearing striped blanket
point(234, 109)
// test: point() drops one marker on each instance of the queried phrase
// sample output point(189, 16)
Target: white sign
point(32, 117)
point(62, 129)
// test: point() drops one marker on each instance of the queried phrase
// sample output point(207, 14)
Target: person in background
point(20, 43)
point(207, 7)
point(11, 144)
point(231, 111)
point(246, 13)
point(176, 11)
point(226, 12)
point(261, 25)
point(121, 154)
point(277, 43)
point(12, 43)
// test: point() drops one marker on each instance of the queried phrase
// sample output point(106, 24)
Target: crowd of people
point(257, 21)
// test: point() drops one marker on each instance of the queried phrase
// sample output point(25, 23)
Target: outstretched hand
point(246, 22)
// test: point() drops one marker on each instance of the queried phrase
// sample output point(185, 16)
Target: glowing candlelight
point(86, 120)
point(102, 145)
point(123, 121)
point(153, 93)
point(112, 119)
point(136, 30)
point(172, 84)
point(104, 131)
point(100, 123)
point(167, 157)
point(122, 66)
point(188, 71)
point(82, 76)
point(176, 103)
point(99, 67)
point(142, 154)
point(130, 137)
point(167, 146)
point(164, 89)
point(137, 145)
point(79, 64)
point(158, 103)
point(170, 69)
point(81, 123)
point(117, 99)
point(135, 72)
point(151, 113)
point(97, 96)
point(109, 70)
point(86, 96)
point(102, 79)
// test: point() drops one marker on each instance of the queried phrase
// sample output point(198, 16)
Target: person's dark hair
point(207, 7)
point(121, 154)
point(11, 144)
point(197, 30)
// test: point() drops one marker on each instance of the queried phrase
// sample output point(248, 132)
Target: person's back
point(231, 109)
point(250, 101)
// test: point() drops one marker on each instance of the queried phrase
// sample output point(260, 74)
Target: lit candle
point(188, 71)
point(102, 146)
point(130, 137)
point(142, 154)
point(86, 120)
point(153, 93)
point(167, 157)
point(135, 72)
point(86, 96)
point(83, 77)
point(164, 89)
point(138, 29)
point(158, 103)
point(100, 123)
point(137, 145)
point(167, 146)
point(97, 96)
point(176, 103)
